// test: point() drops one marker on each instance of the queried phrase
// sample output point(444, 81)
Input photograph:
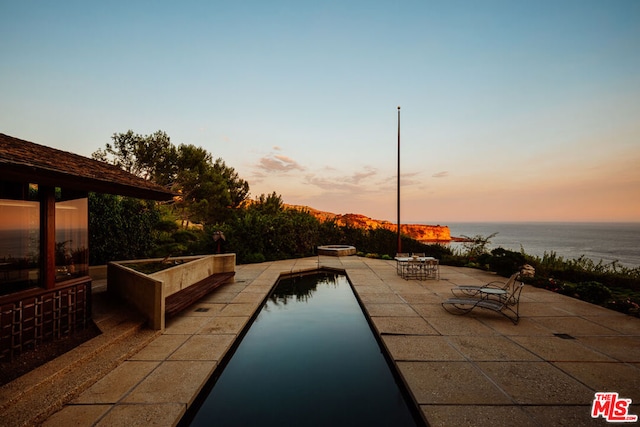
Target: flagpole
point(399, 241)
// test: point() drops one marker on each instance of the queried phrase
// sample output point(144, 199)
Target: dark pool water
point(309, 359)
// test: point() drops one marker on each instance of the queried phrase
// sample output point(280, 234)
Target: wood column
point(47, 197)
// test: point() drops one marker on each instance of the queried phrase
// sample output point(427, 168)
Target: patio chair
point(475, 290)
point(414, 269)
point(432, 267)
point(400, 264)
point(508, 307)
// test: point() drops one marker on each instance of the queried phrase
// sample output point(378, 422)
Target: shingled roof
point(26, 161)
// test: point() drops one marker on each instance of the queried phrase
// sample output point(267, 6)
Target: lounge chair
point(475, 290)
point(508, 306)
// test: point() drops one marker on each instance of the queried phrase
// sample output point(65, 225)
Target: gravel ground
point(31, 359)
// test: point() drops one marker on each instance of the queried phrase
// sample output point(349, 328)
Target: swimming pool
point(310, 358)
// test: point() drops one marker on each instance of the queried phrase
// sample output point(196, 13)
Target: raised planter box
point(148, 292)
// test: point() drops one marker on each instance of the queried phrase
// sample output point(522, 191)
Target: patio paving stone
point(622, 348)
point(403, 325)
point(204, 347)
point(156, 415)
point(117, 383)
point(618, 377)
point(556, 349)
point(490, 348)
point(536, 383)
point(401, 310)
point(225, 325)
point(161, 348)
point(575, 326)
point(565, 416)
point(457, 325)
point(478, 416)
point(173, 381)
point(450, 383)
point(420, 348)
point(76, 415)
point(240, 309)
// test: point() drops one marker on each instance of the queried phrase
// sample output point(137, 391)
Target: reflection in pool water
point(309, 359)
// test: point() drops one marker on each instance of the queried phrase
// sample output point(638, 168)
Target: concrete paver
point(478, 369)
point(117, 383)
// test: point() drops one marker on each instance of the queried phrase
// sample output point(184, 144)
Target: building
point(45, 288)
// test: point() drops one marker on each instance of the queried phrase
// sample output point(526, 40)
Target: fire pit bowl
point(337, 250)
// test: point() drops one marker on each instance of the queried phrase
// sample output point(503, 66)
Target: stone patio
point(476, 370)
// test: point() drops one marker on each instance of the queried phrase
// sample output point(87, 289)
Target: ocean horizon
point(599, 241)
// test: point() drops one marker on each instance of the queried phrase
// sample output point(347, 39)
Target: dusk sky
point(510, 110)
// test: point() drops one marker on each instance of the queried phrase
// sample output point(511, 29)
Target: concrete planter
point(147, 292)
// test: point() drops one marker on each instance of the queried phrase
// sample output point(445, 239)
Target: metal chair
point(508, 307)
point(432, 267)
point(414, 269)
point(399, 263)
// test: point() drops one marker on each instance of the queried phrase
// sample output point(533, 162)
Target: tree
point(476, 246)
point(269, 205)
point(238, 188)
point(120, 228)
point(210, 191)
point(151, 157)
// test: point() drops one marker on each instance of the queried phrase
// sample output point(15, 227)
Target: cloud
point(355, 182)
point(277, 148)
point(278, 163)
point(442, 174)
point(359, 176)
point(331, 184)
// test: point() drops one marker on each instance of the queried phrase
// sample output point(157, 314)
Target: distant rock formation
point(423, 233)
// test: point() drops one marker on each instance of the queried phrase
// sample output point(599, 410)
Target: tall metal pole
point(399, 241)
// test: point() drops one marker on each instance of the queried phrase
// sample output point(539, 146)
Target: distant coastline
point(606, 241)
point(425, 233)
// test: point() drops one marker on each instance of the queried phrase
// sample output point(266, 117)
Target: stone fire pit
point(337, 250)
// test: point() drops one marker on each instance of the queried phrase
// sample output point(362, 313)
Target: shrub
point(626, 305)
point(593, 292)
point(254, 258)
point(505, 262)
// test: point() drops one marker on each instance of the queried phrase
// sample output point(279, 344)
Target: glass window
point(72, 237)
point(19, 237)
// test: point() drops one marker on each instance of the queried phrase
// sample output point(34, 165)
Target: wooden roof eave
point(42, 176)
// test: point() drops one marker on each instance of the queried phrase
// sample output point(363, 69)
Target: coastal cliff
point(423, 233)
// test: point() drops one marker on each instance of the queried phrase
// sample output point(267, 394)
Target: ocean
point(606, 242)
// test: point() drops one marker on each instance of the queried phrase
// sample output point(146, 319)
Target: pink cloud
point(279, 163)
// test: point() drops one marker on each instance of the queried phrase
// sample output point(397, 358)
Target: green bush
point(593, 292)
point(505, 262)
point(254, 258)
point(627, 305)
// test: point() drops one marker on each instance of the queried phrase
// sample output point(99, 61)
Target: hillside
point(423, 233)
